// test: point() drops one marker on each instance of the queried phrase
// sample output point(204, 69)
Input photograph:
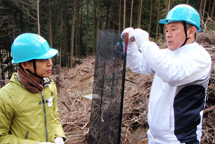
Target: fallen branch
point(65, 105)
point(208, 109)
point(135, 94)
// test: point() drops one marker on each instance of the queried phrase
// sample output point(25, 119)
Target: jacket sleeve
point(135, 60)
point(191, 66)
point(6, 116)
point(58, 127)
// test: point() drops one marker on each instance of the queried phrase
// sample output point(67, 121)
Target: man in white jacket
point(182, 72)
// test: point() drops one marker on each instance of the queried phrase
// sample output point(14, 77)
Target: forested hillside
point(72, 27)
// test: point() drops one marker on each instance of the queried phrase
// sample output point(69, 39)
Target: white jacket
point(178, 90)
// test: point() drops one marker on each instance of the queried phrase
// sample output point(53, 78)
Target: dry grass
point(74, 110)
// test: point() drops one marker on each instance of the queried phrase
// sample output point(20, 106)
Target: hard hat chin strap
point(185, 30)
point(35, 73)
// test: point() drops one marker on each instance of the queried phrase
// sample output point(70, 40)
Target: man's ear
point(25, 65)
point(192, 32)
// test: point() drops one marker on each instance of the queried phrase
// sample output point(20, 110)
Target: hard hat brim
point(163, 21)
point(51, 53)
point(167, 21)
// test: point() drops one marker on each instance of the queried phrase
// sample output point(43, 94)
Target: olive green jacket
point(26, 117)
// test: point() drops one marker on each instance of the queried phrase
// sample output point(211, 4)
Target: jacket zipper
point(26, 135)
point(44, 110)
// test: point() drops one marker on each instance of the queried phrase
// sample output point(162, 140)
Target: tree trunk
point(110, 15)
point(87, 27)
point(76, 42)
point(212, 12)
point(203, 12)
point(187, 1)
point(13, 38)
point(120, 5)
point(170, 4)
point(124, 14)
point(107, 14)
point(209, 6)
point(157, 20)
point(38, 16)
point(139, 13)
point(132, 3)
point(55, 31)
point(200, 8)
point(150, 19)
point(66, 47)
point(77, 30)
point(94, 25)
point(2, 72)
point(72, 34)
point(98, 16)
point(81, 31)
point(167, 9)
point(61, 30)
point(10, 72)
point(114, 20)
point(1, 59)
point(50, 25)
point(21, 21)
point(138, 10)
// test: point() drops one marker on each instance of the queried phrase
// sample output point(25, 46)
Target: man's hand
point(131, 44)
point(140, 36)
point(127, 30)
point(58, 140)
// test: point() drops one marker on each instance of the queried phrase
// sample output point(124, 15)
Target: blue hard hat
point(183, 12)
point(30, 46)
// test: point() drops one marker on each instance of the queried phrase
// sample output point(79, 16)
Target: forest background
point(72, 26)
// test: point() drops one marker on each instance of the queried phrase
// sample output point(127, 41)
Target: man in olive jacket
point(28, 103)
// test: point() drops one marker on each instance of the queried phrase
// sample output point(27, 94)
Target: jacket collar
point(184, 49)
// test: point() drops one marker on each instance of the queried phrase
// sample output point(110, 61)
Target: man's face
point(175, 35)
point(43, 67)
